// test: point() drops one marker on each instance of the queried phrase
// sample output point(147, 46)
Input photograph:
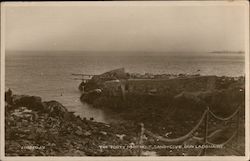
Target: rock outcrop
point(174, 106)
point(36, 128)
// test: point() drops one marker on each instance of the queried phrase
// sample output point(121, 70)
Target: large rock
point(31, 102)
point(91, 96)
point(91, 85)
point(55, 108)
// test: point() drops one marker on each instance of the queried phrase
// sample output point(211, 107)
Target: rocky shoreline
point(174, 109)
point(46, 128)
point(36, 128)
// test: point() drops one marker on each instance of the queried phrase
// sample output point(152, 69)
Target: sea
point(49, 75)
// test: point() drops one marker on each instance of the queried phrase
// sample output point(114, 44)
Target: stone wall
point(159, 86)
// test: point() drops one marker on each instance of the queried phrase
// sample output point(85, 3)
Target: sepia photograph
point(134, 79)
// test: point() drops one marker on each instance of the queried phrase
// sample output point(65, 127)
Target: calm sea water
point(49, 76)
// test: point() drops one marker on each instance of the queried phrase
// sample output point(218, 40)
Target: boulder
point(31, 102)
point(91, 85)
point(55, 108)
point(91, 96)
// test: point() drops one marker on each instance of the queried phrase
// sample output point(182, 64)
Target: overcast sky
point(125, 28)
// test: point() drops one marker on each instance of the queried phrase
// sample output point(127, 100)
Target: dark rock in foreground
point(41, 128)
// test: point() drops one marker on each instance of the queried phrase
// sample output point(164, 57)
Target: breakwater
point(169, 106)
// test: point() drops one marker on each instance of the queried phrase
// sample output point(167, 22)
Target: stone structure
point(159, 86)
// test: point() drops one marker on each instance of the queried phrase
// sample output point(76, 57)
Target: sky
point(125, 28)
